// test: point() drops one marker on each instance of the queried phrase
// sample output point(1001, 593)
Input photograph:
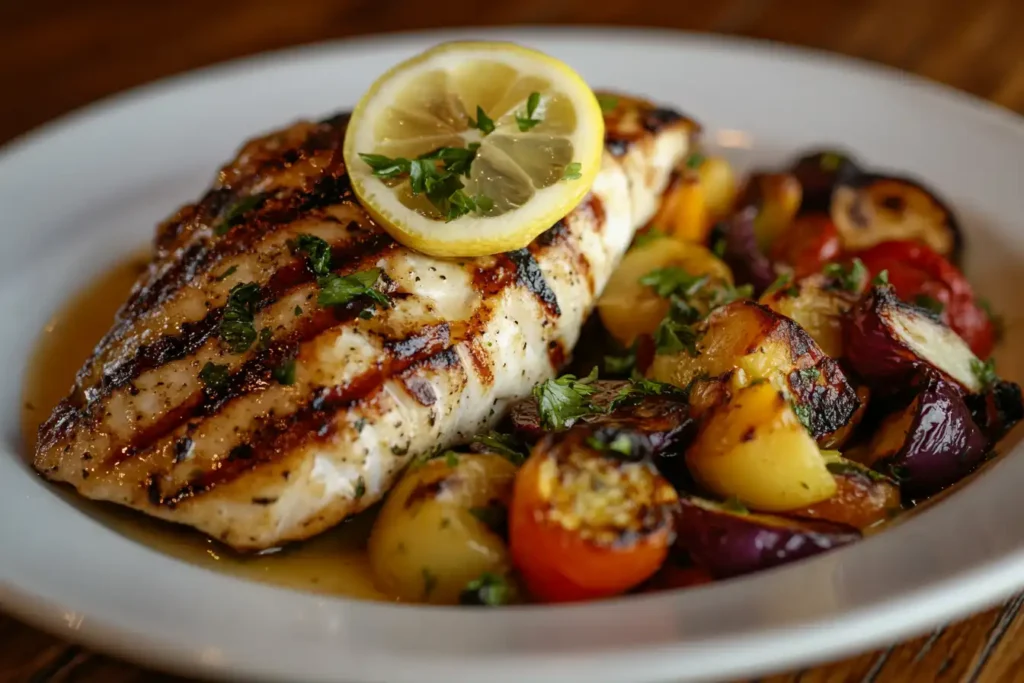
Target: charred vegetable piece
point(819, 173)
point(997, 409)
point(924, 278)
point(871, 209)
point(660, 413)
point(683, 212)
point(756, 449)
point(818, 305)
point(590, 517)
point(931, 443)
point(744, 343)
point(443, 526)
point(863, 497)
point(637, 295)
point(888, 341)
point(774, 198)
point(810, 242)
point(739, 249)
point(729, 541)
point(718, 180)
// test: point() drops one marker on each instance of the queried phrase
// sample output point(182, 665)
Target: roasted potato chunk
point(818, 306)
point(743, 343)
point(442, 526)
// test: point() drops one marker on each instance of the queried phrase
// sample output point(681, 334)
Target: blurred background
point(56, 55)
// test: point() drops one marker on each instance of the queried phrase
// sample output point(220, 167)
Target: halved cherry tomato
point(923, 277)
point(586, 522)
point(808, 244)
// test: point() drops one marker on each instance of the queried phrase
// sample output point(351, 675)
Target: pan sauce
point(334, 563)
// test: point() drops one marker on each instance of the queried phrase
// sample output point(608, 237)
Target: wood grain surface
point(56, 55)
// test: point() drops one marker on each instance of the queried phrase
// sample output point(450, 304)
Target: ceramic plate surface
point(80, 194)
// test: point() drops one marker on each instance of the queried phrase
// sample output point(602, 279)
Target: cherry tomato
point(923, 277)
point(808, 244)
point(584, 524)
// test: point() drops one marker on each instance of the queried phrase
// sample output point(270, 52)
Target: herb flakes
point(562, 401)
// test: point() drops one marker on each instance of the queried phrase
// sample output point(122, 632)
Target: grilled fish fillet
point(256, 463)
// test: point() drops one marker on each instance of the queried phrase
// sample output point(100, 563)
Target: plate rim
point(997, 575)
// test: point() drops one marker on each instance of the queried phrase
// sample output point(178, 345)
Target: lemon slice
point(521, 135)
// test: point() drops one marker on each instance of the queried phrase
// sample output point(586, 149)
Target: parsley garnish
point(608, 103)
point(236, 325)
point(337, 290)
point(783, 286)
point(985, 371)
point(317, 251)
point(803, 414)
point(648, 236)
point(841, 466)
point(284, 372)
point(849, 278)
point(265, 337)
point(810, 374)
point(298, 311)
point(504, 445)
point(490, 590)
point(572, 171)
point(483, 122)
point(451, 459)
point(527, 122)
point(676, 333)
point(930, 304)
point(639, 387)
point(694, 161)
point(881, 279)
point(673, 281)
point(236, 211)
point(615, 444)
point(718, 248)
point(624, 364)
point(440, 184)
point(561, 401)
point(226, 274)
point(214, 376)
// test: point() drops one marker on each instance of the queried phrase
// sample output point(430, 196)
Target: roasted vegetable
point(756, 449)
point(863, 497)
point(727, 540)
point(807, 245)
point(888, 341)
point(819, 173)
point(924, 278)
point(635, 299)
point(774, 199)
point(683, 212)
point(590, 517)
point(735, 240)
point(931, 443)
point(718, 180)
point(869, 209)
point(818, 305)
point(744, 343)
point(443, 526)
point(997, 409)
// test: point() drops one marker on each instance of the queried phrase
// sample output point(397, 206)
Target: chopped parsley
point(881, 279)
point(237, 328)
point(783, 286)
point(841, 466)
point(618, 443)
point(648, 236)
point(317, 252)
point(810, 374)
point(236, 211)
point(850, 278)
point(483, 123)
point(622, 364)
point(226, 274)
point(694, 161)
point(930, 304)
point(562, 401)
point(573, 171)
point(673, 281)
point(451, 459)
point(440, 183)
point(284, 372)
point(676, 331)
point(264, 339)
point(504, 445)
point(490, 590)
point(527, 122)
point(214, 376)
point(718, 248)
point(985, 371)
point(298, 311)
point(803, 413)
point(639, 387)
point(608, 103)
point(337, 290)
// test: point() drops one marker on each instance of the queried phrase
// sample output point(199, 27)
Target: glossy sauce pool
point(334, 562)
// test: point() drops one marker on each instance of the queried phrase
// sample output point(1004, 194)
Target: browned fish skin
point(256, 463)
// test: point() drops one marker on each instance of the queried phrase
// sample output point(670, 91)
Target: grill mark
point(421, 390)
point(481, 362)
point(553, 236)
point(314, 420)
point(530, 276)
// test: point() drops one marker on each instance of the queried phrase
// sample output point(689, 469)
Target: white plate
point(79, 194)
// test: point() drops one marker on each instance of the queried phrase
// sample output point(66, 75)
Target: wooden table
point(56, 55)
